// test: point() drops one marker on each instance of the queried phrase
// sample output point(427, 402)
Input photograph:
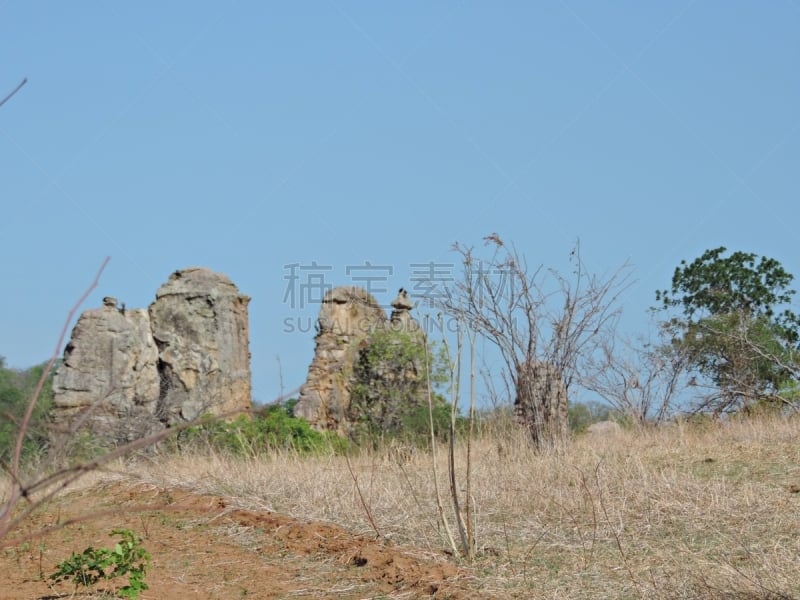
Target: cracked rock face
point(199, 323)
point(129, 373)
point(109, 372)
point(348, 317)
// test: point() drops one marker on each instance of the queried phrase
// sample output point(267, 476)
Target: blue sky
point(249, 136)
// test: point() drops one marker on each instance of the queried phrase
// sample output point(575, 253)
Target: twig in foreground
point(14, 91)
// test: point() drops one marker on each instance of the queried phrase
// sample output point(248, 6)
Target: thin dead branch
point(439, 505)
point(363, 502)
point(14, 91)
point(45, 373)
point(542, 322)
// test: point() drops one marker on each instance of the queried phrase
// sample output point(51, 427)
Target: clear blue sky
point(249, 136)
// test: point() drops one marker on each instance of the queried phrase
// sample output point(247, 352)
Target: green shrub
point(415, 425)
point(16, 389)
point(270, 429)
point(390, 390)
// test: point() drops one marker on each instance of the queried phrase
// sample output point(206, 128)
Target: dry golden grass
point(676, 512)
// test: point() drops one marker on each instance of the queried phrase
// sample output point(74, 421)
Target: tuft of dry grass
point(683, 511)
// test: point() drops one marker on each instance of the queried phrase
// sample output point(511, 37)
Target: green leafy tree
point(736, 327)
point(389, 396)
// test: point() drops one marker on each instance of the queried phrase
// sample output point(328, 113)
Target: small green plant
point(93, 565)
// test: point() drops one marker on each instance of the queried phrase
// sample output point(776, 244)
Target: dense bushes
point(269, 429)
point(392, 376)
point(16, 389)
point(274, 428)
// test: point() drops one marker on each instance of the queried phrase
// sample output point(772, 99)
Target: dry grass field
point(686, 511)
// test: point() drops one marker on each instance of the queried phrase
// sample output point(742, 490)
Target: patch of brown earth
point(204, 548)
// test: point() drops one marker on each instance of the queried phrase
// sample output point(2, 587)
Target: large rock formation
point(109, 377)
point(200, 325)
point(128, 373)
point(347, 316)
point(350, 321)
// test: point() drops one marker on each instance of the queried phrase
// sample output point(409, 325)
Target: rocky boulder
point(109, 376)
point(346, 383)
point(199, 323)
point(129, 373)
point(347, 316)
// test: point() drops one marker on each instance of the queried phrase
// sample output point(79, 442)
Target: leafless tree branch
point(641, 381)
point(536, 317)
point(14, 91)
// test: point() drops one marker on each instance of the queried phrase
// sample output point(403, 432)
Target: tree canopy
point(735, 326)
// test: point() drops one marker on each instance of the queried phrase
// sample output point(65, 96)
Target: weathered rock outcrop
point(200, 325)
point(129, 373)
point(349, 321)
point(109, 376)
point(347, 316)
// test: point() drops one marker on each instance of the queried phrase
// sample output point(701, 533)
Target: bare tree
point(544, 324)
point(642, 381)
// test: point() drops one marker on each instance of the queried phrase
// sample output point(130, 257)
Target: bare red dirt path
point(203, 548)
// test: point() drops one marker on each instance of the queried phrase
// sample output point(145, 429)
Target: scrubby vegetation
point(697, 510)
point(731, 318)
point(271, 428)
point(16, 389)
point(583, 414)
point(274, 428)
point(694, 508)
point(390, 388)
